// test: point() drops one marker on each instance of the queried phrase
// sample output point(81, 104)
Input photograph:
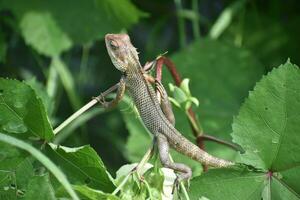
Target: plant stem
point(196, 28)
point(139, 166)
point(83, 109)
point(122, 184)
point(84, 61)
point(181, 184)
point(184, 191)
point(197, 130)
point(52, 78)
point(181, 24)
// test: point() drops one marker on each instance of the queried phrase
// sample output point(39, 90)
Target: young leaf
point(184, 85)
point(22, 111)
point(179, 95)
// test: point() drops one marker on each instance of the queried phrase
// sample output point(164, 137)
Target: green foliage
point(91, 194)
point(96, 19)
point(267, 123)
point(40, 157)
point(266, 128)
point(47, 38)
point(41, 184)
point(57, 48)
point(182, 95)
point(230, 184)
point(219, 92)
point(82, 165)
point(22, 112)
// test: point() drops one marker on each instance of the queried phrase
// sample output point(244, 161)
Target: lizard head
point(122, 53)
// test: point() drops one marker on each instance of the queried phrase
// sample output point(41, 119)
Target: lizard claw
point(101, 100)
point(176, 185)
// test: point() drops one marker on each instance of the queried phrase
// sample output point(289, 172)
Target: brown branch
point(220, 141)
point(177, 79)
point(197, 131)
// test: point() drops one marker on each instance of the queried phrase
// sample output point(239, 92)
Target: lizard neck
point(134, 71)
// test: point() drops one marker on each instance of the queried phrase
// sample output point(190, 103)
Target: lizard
point(158, 121)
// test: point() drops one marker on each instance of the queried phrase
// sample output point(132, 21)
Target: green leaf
point(176, 103)
point(39, 187)
point(40, 90)
point(6, 190)
point(92, 194)
point(267, 127)
point(179, 95)
point(43, 159)
point(220, 77)
point(225, 18)
point(97, 18)
point(279, 190)
point(155, 180)
point(15, 171)
point(268, 122)
point(227, 184)
point(82, 165)
point(84, 21)
point(184, 85)
point(41, 32)
point(194, 100)
point(22, 111)
point(291, 177)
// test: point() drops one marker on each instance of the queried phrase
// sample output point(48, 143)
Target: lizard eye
point(113, 45)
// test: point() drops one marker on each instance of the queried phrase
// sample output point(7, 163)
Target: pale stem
point(75, 115)
point(84, 109)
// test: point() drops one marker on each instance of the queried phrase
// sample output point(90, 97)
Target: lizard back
point(154, 119)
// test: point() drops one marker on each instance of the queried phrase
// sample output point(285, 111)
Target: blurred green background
point(223, 47)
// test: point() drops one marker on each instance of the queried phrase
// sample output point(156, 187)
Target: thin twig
point(220, 141)
point(177, 79)
point(83, 109)
point(136, 169)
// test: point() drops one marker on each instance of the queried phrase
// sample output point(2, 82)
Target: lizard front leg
point(163, 148)
point(116, 100)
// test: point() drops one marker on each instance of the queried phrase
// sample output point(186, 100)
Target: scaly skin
point(125, 58)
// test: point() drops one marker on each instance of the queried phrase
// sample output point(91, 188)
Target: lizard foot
point(101, 100)
point(176, 185)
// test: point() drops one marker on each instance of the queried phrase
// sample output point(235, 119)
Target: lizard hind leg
point(163, 148)
point(165, 103)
